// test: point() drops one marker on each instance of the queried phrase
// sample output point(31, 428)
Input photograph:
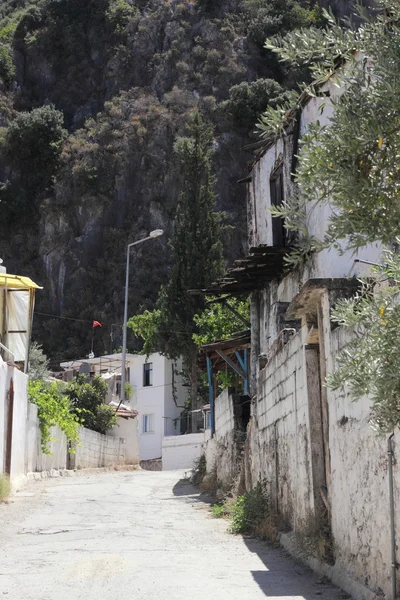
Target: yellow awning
point(17, 282)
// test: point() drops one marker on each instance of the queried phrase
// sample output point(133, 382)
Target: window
point(148, 423)
point(147, 374)
point(276, 189)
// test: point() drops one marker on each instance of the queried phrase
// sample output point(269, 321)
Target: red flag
point(97, 324)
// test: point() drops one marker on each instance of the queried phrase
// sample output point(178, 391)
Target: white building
point(158, 393)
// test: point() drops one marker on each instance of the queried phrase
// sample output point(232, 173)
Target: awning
point(17, 282)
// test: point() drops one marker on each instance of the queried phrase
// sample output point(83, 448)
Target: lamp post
point(153, 234)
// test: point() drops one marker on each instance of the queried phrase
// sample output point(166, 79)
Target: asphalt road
point(136, 536)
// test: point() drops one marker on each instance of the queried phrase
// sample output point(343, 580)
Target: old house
point(156, 393)
point(325, 468)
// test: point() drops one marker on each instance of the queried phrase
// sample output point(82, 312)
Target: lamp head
point(156, 233)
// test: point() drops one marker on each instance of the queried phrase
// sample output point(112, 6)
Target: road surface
point(136, 536)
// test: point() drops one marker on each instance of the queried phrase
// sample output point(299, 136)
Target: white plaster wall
point(3, 396)
point(360, 488)
point(127, 429)
point(181, 451)
point(224, 416)
point(98, 450)
point(20, 415)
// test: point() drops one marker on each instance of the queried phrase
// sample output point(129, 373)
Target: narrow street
point(136, 535)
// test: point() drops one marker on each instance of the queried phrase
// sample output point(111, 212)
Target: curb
point(22, 480)
point(335, 573)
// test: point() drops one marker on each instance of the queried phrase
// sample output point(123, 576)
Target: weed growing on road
point(220, 509)
point(246, 512)
point(4, 487)
point(249, 510)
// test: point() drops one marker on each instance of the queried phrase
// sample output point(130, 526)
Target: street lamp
point(153, 234)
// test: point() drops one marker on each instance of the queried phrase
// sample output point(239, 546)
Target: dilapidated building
point(326, 470)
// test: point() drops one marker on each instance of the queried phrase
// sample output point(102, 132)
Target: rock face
point(126, 75)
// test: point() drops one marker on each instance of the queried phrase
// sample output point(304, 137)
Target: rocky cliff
point(125, 76)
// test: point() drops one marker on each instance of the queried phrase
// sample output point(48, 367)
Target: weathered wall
point(360, 489)
point(223, 452)
point(127, 429)
point(181, 451)
point(281, 452)
point(98, 450)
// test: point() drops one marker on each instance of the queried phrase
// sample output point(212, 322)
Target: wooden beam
point(230, 362)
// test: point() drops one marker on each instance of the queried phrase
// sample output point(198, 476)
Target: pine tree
point(196, 248)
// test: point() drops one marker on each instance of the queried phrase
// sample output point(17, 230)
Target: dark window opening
point(147, 374)
point(277, 197)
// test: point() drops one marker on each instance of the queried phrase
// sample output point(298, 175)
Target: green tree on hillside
point(196, 250)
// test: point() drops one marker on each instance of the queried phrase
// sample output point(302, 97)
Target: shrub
point(54, 408)
point(38, 363)
point(247, 101)
point(220, 510)
point(34, 145)
point(249, 510)
point(87, 401)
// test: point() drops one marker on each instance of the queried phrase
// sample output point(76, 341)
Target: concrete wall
point(360, 489)
point(283, 449)
point(181, 451)
point(223, 452)
point(98, 450)
point(94, 450)
point(127, 429)
point(282, 456)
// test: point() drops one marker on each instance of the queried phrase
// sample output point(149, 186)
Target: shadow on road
point(185, 489)
point(284, 577)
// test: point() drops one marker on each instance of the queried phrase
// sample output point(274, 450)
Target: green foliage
point(129, 391)
point(87, 401)
point(38, 363)
point(54, 408)
point(354, 165)
point(248, 100)
point(33, 146)
point(219, 510)
point(147, 326)
point(7, 68)
point(245, 512)
point(249, 510)
point(280, 16)
point(5, 487)
point(369, 363)
point(196, 247)
point(217, 322)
